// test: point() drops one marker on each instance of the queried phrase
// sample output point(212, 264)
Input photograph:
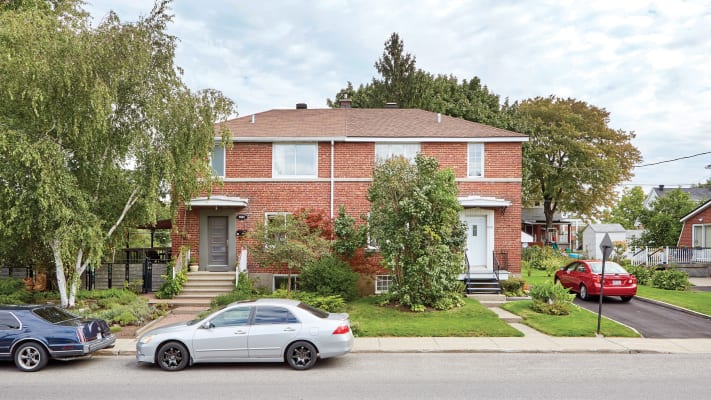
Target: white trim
point(388, 278)
point(480, 201)
point(219, 201)
point(378, 139)
point(312, 180)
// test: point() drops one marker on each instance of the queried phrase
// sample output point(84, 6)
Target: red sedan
point(583, 278)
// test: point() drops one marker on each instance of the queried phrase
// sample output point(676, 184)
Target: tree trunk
point(59, 270)
point(549, 211)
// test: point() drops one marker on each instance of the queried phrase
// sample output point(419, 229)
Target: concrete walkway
point(532, 341)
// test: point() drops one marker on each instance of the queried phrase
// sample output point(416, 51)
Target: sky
point(648, 63)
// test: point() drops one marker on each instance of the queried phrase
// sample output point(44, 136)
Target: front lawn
point(473, 319)
point(580, 322)
point(689, 299)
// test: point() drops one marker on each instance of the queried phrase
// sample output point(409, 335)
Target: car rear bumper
point(85, 348)
point(611, 290)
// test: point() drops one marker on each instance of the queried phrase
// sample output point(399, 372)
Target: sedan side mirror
point(207, 325)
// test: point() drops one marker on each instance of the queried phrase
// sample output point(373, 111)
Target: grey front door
point(217, 243)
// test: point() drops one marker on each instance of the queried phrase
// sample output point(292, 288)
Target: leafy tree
point(573, 160)
point(401, 82)
point(96, 126)
point(415, 221)
point(286, 241)
point(662, 225)
point(629, 209)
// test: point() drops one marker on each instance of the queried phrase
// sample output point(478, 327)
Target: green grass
point(473, 319)
point(689, 299)
point(580, 322)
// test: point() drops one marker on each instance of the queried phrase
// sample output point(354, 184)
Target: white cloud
point(646, 62)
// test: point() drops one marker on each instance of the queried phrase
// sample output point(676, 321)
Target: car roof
point(269, 301)
point(18, 307)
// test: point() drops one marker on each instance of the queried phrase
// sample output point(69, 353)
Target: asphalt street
point(651, 320)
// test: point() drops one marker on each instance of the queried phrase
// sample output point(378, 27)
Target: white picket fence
point(670, 255)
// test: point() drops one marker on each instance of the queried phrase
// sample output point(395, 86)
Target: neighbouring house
point(594, 233)
point(284, 160)
point(563, 231)
point(697, 194)
point(696, 228)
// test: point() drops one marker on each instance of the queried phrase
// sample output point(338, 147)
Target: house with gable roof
point(288, 159)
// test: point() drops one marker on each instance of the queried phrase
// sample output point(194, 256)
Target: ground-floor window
point(383, 283)
point(702, 236)
point(282, 282)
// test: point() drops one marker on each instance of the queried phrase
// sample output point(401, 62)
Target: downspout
point(333, 181)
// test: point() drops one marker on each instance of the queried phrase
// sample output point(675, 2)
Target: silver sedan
point(263, 330)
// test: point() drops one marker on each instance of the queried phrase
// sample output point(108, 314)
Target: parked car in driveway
point(32, 334)
point(263, 330)
point(584, 278)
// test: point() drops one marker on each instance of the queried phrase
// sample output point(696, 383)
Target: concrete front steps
point(202, 286)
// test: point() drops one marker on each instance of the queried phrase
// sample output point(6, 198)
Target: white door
point(476, 243)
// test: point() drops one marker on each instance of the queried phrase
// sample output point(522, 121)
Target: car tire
point(301, 355)
point(31, 357)
point(626, 299)
point(172, 356)
point(583, 292)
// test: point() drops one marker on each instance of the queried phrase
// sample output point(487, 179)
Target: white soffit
point(480, 201)
point(219, 201)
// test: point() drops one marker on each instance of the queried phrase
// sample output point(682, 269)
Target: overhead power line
point(672, 160)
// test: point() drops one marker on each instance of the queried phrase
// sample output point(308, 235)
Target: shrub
point(116, 306)
point(332, 303)
point(171, 287)
point(513, 287)
point(670, 279)
point(244, 290)
point(642, 273)
point(12, 291)
point(329, 276)
point(552, 299)
point(543, 259)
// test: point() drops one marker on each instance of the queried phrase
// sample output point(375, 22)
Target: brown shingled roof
point(360, 122)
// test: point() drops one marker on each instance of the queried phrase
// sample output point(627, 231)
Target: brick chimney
point(345, 103)
point(391, 104)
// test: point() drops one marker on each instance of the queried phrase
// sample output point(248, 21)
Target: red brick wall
point(353, 163)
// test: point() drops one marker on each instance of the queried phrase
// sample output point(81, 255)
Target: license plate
point(616, 283)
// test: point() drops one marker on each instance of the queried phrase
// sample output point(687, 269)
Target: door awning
point(219, 201)
point(481, 201)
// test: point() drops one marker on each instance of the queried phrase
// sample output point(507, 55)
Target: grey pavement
point(532, 341)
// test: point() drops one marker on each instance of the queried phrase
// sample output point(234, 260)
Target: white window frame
point(269, 215)
point(383, 283)
point(221, 149)
point(705, 230)
point(386, 151)
point(475, 149)
point(289, 171)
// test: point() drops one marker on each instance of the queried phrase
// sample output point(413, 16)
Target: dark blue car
point(32, 334)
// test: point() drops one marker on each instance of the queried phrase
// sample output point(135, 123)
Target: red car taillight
point(596, 278)
point(343, 328)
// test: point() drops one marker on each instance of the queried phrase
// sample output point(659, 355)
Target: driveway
point(651, 320)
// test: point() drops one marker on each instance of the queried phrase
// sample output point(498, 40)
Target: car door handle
point(240, 332)
point(289, 329)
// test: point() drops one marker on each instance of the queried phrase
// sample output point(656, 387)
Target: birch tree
point(96, 128)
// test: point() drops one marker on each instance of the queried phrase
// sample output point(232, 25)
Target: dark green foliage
point(349, 237)
point(171, 287)
point(332, 303)
point(12, 291)
point(329, 276)
point(662, 225)
point(670, 279)
point(244, 290)
point(642, 273)
point(118, 306)
point(553, 299)
point(513, 287)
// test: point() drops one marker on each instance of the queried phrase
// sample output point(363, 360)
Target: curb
point(673, 307)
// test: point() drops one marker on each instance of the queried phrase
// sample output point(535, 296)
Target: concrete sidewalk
point(532, 342)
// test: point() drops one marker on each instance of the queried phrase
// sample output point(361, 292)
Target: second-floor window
point(476, 160)
point(386, 151)
point(295, 160)
point(217, 160)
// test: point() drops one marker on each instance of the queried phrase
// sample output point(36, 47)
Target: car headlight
point(145, 339)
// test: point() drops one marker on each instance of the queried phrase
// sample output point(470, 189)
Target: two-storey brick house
point(284, 160)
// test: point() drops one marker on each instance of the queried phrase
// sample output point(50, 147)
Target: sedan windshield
point(53, 314)
point(611, 267)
